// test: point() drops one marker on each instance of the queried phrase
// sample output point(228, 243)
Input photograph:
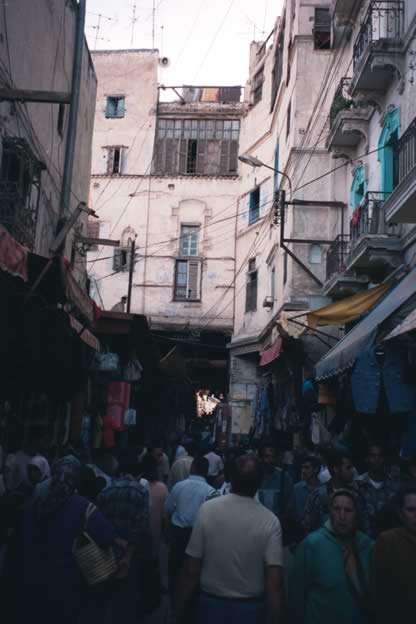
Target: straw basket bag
point(97, 564)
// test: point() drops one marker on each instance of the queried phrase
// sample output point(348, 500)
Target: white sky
point(207, 41)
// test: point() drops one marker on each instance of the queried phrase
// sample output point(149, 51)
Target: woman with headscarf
point(48, 576)
point(38, 470)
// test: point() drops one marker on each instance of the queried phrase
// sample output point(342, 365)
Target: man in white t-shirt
point(235, 556)
point(216, 466)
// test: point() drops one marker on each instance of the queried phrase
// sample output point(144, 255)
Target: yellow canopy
point(348, 309)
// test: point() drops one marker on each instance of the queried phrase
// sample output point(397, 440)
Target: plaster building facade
point(165, 174)
point(33, 135)
point(280, 257)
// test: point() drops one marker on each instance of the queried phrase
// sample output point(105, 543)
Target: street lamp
point(248, 159)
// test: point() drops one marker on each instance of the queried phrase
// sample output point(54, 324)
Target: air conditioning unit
point(164, 61)
point(268, 302)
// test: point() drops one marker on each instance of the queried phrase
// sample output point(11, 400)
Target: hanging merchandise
point(109, 428)
point(107, 362)
point(118, 401)
point(130, 418)
point(133, 370)
point(377, 372)
point(97, 432)
point(326, 395)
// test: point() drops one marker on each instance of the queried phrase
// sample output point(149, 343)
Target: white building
point(166, 175)
point(37, 46)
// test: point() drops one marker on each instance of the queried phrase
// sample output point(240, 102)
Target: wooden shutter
point(110, 160)
point(158, 157)
point(201, 157)
point(169, 156)
point(233, 161)
point(224, 157)
point(110, 109)
point(193, 280)
point(121, 107)
point(183, 155)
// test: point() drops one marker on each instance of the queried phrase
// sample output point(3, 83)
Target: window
point(273, 285)
point(187, 280)
point(388, 138)
point(121, 258)
point(285, 262)
point(251, 287)
point(288, 119)
point(115, 107)
point(254, 206)
point(358, 187)
point(93, 231)
point(322, 29)
point(115, 160)
point(315, 254)
point(277, 68)
point(257, 89)
point(61, 120)
point(189, 240)
point(197, 147)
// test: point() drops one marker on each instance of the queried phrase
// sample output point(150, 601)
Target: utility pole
point(133, 25)
point(153, 23)
point(131, 269)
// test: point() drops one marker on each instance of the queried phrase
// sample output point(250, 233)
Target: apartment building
point(281, 248)
point(165, 174)
point(372, 129)
point(34, 134)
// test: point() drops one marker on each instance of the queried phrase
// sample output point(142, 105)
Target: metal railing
point(369, 217)
point(342, 100)
point(382, 23)
point(405, 153)
point(337, 255)
point(18, 213)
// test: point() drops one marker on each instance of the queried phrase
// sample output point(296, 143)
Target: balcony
point(378, 46)
point(370, 252)
point(400, 207)
point(19, 191)
point(348, 121)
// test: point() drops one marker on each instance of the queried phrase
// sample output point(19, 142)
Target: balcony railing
point(382, 23)
point(405, 153)
point(369, 218)
point(337, 255)
point(342, 100)
point(19, 213)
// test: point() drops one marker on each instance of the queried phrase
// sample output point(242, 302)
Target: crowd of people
point(250, 538)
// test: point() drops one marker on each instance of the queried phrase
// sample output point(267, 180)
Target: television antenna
point(97, 27)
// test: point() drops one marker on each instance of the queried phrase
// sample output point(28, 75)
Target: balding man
point(235, 556)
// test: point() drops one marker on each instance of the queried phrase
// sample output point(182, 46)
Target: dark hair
point(375, 443)
point(349, 494)
point(246, 475)
point(149, 468)
point(129, 463)
point(336, 458)
point(314, 461)
point(403, 494)
point(267, 445)
point(200, 466)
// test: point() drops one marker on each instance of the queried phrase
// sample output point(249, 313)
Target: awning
point(348, 309)
point(85, 335)
point(344, 354)
point(268, 356)
point(13, 256)
point(408, 325)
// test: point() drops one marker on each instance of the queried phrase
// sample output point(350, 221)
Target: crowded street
point(208, 312)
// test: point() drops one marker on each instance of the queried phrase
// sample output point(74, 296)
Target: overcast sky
point(206, 41)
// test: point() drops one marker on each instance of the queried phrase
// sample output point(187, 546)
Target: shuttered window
point(189, 240)
point(115, 107)
point(251, 287)
point(187, 280)
point(322, 29)
point(197, 147)
point(115, 160)
point(254, 206)
point(121, 259)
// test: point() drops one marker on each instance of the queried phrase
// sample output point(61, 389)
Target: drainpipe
point(73, 109)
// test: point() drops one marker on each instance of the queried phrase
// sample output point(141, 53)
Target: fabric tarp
point(13, 256)
point(348, 309)
point(343, 355)
point(269, 355)
point(409, 324)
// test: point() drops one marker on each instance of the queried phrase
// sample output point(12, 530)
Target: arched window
point(389, 136)
point(358, 187)
point(315, 254)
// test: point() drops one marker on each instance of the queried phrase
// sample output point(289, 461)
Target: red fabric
point(13, 256)
point(109, 426)
point(118, 401)
point(355, 216)
point(268, 356)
